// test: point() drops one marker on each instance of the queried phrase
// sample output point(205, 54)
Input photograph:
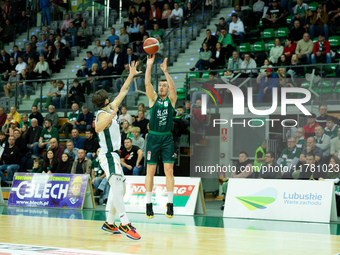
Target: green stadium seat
point(259, 46)
point(244, 47)
point(194, 75)
point(181, 96)
point(337, 87)
point(315, 40)
point(313, 6)
point(282, 32)
point(194, 89)
point(325, 87)
point(305, 85)
point(268, 33)
point(289, 19)
point(334, 41)
point(220, 73)
point(270, 45)
point(180, 90)
point(205, 75)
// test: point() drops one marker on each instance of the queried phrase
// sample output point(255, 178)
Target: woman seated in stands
point(49, 54)
point(94, 72)
point(124, 37)
point(33, 43)
point(50, 162)
point(289, 50)
point(283, 61)
point(97, 50)
point(276, 52)
point(30, 68)
point(163, 23)
point(218, 57)
point(266, 65)
point(134, 30)
point(204, 57)
point(295, 69)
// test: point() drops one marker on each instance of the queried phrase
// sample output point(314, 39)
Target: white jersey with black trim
point(109, 138)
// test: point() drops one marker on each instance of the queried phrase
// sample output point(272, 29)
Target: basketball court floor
point(58, 231)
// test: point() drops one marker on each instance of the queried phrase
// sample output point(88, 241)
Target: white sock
point(124, 219)
point(148, 197)
point(170, 197)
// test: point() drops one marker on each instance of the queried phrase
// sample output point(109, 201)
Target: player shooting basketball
point(160, 138)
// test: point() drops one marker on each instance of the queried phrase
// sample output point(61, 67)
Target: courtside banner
point(188, 195)
point(50, 190)
point(292, 200)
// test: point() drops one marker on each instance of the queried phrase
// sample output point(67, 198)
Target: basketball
point(151, 46)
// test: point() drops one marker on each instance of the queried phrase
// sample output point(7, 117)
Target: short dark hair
point(310, 154)
point(222, 19)
point(124, 106)
point(99, 98)
point(128, 139)
point(48, 120)
point(243, 152)
point(89, 130)
point(234, 15)
point(208, 30)
point(330, 119)
point(180, 107)
point(89, 52)
point(34, 106)
point(272, 155)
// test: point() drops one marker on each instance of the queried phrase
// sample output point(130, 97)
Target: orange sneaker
point(110, 228)
point(129, 231)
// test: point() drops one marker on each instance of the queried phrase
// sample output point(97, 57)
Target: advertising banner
point(293, 200)
point(71, 191)
point(188, 195)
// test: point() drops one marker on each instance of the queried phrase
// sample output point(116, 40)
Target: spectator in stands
point(98, 50)
point(125, 116)
point(65, 165)
point(53, 116)
point(129, 57)
point(106, 51)
point(156, 31)
point(97, 174)
point(222, 25)
point(5, 128)
point(60, 96)
point(76, 93)
point(117, 43)
point(289, 50)
point(78, 20)
point(165, 19)
point(304, 49)
point(71, 35)
point(238, 12)
point(84, 33)
point(42, 44)
point(57, 148)
point(30, 68)
point(12, 82)
point(132, 14)
point(299, 11)
point(91, 144)
point(319, 23)
point(269, 81)
point(25, 120)
point(58, 58)
point(134, 29)
point(258, 8)
point(71, 121)
point(274, 16)
point(124, 37)
point(321, 51)
point(137, 140)
point(297, 32)
point(130, 158)
point(42, 69)
point(236, 28)
point(113, 36)
point(295, 69)
point(155, 15)
point(310, 127)
point(9, 68)
point(9, 160)
point(7, 33)
point(227, 41)
point(62, 41)
point(91, 59)
point(276, 51)
point(48, 98)
point(323, 141)
point(3, 117)
point(176, 15)
point(210, 40)
point(93, 73)
point(218, 57)
point(141, 107)
point(141, 122)
point(13, 126)
point(104, 71)
point(248, 64)
point(311, 148)
point(235, 62)
point(289, 158)
point(204, 56)
point(21, 65)
point(70, 150)
point(310, 171)
point(266, 65)
point(82, 165)
point(84, 120)
point(335, 145)
point(76, 139)
point(28, 54)
point(140, 38)
point(16, 53)
point(49, 55)
point(283, 61)
point(47, 133)
point(4, 60)
point(44, 6)
point(22, 22)
point(144, 16)
point(37, 166)
point(37, 115)
point(269, 169)
point(50, 163)
point(300, 138)
point(321, 120)
point(331, 128)
point(116, 61)
point(66, 23)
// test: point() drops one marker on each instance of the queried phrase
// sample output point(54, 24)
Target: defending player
point(160, 138)
point(107, 127)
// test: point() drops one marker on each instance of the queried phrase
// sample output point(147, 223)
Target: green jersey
point(47, 136)
point(161, 114)
point(28, 123)
point(98, 171)
point(73, 116)
point(288, 156)
point(332, 133)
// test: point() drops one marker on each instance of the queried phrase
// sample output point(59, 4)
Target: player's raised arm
point(172, 89)
point(152, 95)
point(125, 89)
point(104, 120)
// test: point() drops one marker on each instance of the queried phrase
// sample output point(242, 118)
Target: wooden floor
point(160, 238)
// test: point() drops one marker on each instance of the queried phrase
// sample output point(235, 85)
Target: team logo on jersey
point(166, 103)
point(149, 155)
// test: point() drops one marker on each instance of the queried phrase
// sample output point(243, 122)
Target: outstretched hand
point(164, 66)
point(133, 68)
point(150, 60)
